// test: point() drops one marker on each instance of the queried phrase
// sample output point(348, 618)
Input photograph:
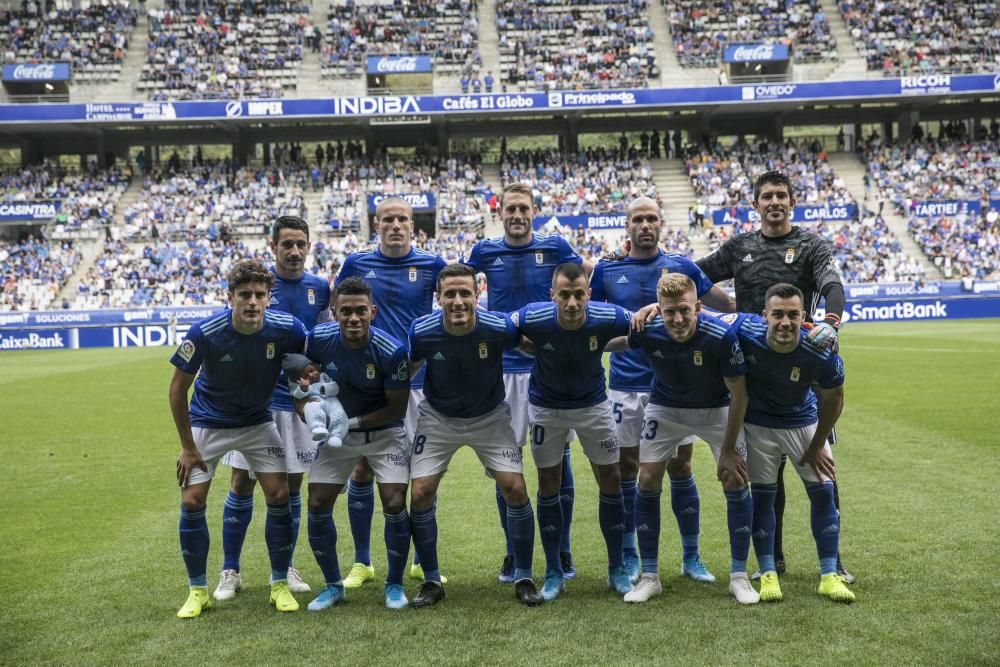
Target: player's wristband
point(354, 422)
point(833, 320)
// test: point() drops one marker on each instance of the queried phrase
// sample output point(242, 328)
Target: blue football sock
point(502, 510)
point(295, 503)
point(550, 520)
point(278, 537)
point(567, 496)
point(611, 516)
point(360, 509)
point(647, 520)
point(763, 524)
point(521, 523)
point(323, 541)
point(629, 489)
point(687, 509)
point(397, 545)
point(194, 539)
point(425, 532)
point(739, 513)
point(236, 515)
point(825, 524)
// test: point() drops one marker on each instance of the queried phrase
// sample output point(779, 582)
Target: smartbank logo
point(772, 92)
point(904, 310)
point(382, 105)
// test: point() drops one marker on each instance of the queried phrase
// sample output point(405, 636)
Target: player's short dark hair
point(569, 270)
point(248, 271)
point(456, 270)
point(783, 291)
point(288, 222)
point(772, 178)
point(354, 286)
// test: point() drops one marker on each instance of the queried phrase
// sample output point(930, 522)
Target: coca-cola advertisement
point(399, 64)
point(755, 53)
point(36, 72)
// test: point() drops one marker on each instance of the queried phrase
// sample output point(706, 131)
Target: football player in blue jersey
point(402, 279)
point(372, 370)
point(631, 283)
point(464, 404)
point(307, 297)
point(518, 268)
point(784, 367)
point(699, 389)
point(233, 359)
point(566, 392)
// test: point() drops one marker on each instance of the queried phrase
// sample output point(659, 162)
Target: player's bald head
point(641, 204)
point(391, 204)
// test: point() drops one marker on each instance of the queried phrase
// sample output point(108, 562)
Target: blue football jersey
point(631, 283)
point(402, 288)
point(307, 298)
point(779, 384)
point(517, 276)
point(364, 375)
point(238, 371)
point(691, 374)
point(464, 373)
point(568, 370)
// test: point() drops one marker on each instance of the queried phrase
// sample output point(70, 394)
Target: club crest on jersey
point(484, 351)
point(311, 296)
point(413, 274)
point(664, 271)
point(539, 258)
point(795, 374)
point(698, 359)
point(270, 350)
point(370, 371)
point(186, 350)
point(789, 255)
point(593, 343)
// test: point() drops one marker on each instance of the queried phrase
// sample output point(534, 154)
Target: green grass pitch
point(92, 573)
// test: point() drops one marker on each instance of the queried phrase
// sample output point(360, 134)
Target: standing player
point(307, 297)
point(402, 280)
point(238, 353)
point(518, 268)
point(781, 253)
point(464, 405)
point(372, 370)
point(783, 369)
point(699, 389)
point(631, 284)
point(566, 392)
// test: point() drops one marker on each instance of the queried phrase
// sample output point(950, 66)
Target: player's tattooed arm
point(189, 458)
point(831, 404)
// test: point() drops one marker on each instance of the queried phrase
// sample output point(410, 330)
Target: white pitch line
point(850, 347)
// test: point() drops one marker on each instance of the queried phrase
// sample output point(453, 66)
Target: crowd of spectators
point(216, 49)
point(34, 271)
point(93, 39)
point(574, 44)
point(596, 180)
point(701, 29)
point(87, 199)
point(902, 37)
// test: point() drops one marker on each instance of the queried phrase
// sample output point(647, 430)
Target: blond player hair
point(673, 285)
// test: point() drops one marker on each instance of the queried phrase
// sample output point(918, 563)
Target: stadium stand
point(701, 29)
point(901, 37)
point(220, 49)
point(34, 270)
point(574, 44)
point(94, 39)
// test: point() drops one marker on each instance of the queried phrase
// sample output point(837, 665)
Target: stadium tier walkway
point(488, 39)
point(672, 75)
point(852, 66)
point(676, 195)
point(852, 170)
point(314, 205)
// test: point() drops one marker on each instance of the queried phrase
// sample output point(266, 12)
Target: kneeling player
point(567, 392)
point(238, 353)
point(698, 389)
point(464, 405)
point(782, 419)
point(373, 373)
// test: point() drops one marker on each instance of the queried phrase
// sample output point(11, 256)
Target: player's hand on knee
point(188, 460)
point(821, 462)
point(733, 469)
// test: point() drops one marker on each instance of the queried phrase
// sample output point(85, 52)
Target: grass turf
point(92, 572)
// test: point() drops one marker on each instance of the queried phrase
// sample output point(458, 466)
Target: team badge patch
point(593, 343)
point(270, 350)
point(484, 351)
point(789, 255)
point(664, 271)
point(311, 296)
point(795, 374)
point(413, 274)
point(698, 360)
point(539, 258)
point(370, 372)
point(729, 318)
point(186, 350)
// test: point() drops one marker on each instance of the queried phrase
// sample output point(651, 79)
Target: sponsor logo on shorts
point(611, 444)
point(512, 455)
point(276, 452)
point(306, 457)
point(397, 459)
